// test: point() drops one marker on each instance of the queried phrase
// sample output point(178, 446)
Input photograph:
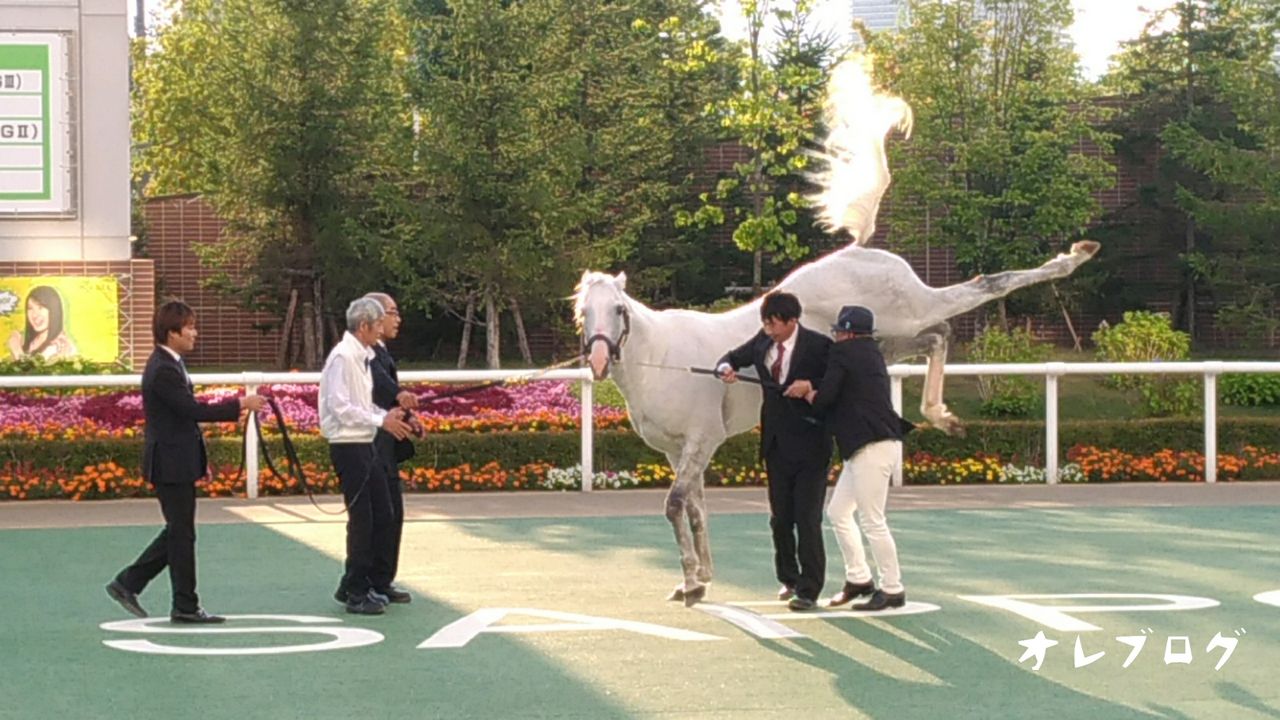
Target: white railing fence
point(252, 380)
point(1209, 370)
point(1051, 371)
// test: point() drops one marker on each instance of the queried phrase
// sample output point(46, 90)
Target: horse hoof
point(694, 596)
point(1088, 248)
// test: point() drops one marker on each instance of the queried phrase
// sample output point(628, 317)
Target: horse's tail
point(855, 172)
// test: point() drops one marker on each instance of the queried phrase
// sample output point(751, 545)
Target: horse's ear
point(622, 280)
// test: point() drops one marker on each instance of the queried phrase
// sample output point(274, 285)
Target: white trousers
point(863, 487)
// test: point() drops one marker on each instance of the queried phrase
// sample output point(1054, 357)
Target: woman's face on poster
point(37, 315)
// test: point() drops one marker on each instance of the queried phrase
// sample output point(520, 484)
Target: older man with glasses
point(349, 420)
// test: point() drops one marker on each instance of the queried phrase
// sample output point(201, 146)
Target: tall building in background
point(878, 14)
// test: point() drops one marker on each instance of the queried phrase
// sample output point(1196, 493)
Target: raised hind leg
point(932, 344)
point(953, 300)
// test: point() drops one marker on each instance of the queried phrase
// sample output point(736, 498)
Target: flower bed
point(118, 414)
point(24, 480)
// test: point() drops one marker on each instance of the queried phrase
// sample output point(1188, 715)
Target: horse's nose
point(598, 359)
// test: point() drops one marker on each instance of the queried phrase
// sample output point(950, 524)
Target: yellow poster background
point(90, 314)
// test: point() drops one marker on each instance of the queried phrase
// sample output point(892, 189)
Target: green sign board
point(35, 169)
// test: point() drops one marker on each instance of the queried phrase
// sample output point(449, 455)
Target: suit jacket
point(386, 386)
point(173, 451)
point(788, 429)
point(854, 397)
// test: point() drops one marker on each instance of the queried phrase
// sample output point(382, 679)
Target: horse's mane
point(589, 279)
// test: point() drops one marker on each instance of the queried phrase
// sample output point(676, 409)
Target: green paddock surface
point(571, 568)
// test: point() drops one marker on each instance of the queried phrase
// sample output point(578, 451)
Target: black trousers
point(797, 489)
point(364, 487)
point(387, 563)
point(174, 548)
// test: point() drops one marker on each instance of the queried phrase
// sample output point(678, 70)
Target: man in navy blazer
point(795, 447)
point(174, 457)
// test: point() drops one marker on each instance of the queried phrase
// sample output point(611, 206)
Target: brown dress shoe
point(851, 592)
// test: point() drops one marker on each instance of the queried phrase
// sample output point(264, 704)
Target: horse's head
point(602, 314)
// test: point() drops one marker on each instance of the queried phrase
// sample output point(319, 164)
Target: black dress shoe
point(799, 603)
point(881, 600)
point(365, 605)
point(786, 592)
point(126, 597)
point(199, 617)
point(851, 592)
point(395, 595)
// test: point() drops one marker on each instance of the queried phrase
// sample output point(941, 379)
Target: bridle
point(615, 347)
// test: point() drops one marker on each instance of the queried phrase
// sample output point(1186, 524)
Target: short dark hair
point(171, 317)
point(780, 306)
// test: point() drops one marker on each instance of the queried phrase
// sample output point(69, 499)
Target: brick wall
point(229, 335)
point(136, 296)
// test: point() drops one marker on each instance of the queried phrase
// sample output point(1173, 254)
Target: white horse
point(688, 416)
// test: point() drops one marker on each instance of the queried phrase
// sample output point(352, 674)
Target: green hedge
point(1022, 441)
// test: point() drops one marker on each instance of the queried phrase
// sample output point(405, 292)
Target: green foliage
point(1249, 389)
point(281, 114)
point(775, 113)
point(1007, 395)
point(36, 365)
point(1201, 90)
point(996, 166)
point(1149, 337)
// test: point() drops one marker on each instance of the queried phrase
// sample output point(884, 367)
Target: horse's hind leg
point(957, 299)
point(931, 343)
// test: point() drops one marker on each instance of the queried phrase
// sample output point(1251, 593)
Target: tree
point(550, 141)
point(281, 113)
point(995, 167)
point(776, 113)
point(1196, 86)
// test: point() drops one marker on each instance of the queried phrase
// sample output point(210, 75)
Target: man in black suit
point(795, 448)
point(387, 394)
point(854, 397)
point(173, 459)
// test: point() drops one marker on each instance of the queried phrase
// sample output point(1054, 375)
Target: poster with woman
point(60, 318)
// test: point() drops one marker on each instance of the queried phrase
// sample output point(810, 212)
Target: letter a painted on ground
point(460, 632)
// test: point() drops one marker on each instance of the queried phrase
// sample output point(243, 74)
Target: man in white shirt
point(349, 421)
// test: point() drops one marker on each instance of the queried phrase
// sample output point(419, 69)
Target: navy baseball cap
point(855, 319)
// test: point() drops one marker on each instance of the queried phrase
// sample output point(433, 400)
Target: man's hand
point(727, 375)
point(253, 403)
point(799, 389)
point(407, 400)
point(394, 423)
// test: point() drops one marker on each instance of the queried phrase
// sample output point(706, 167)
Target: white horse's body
point(688, 416)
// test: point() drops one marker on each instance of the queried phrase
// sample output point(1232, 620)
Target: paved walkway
point(606, 503)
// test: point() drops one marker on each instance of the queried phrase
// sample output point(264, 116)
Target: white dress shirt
point(174, 353)
point(347, 412)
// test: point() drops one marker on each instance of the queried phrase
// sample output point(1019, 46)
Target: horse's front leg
point(932, 344)
point(686, 510)
point(697, 512)
point(931, 404)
